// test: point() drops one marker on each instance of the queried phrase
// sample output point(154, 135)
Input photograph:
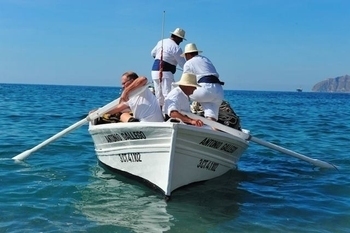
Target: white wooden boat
point(167, 154)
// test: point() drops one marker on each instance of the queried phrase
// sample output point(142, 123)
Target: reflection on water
point(108, 200)
point(207, 206)
point(114, 200)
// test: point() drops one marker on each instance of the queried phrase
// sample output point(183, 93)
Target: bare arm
point(185, 119)
point(139, 82)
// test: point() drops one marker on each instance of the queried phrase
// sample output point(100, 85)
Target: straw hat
point(179, 33)
point(190, 48)
point(188, 79)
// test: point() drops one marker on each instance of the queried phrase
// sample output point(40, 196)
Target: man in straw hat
point(178, 99)
point(211, 93)
point(167, 55)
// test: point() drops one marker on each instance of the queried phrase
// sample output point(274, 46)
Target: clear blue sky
point(276, 45)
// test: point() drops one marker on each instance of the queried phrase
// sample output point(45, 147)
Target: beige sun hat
point(190, 48)
point(188, 79)
point(179, 33)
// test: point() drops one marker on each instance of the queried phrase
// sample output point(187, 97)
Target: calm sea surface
point(61, 187)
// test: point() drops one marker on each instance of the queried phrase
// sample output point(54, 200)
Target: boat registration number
point(207, 164)
point(130, 157)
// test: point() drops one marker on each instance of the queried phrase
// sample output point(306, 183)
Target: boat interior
point(227, 116)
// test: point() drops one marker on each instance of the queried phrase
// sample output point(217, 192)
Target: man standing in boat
point(143, 106)
point(210, 94)
point(178, 100)
point(167, 55)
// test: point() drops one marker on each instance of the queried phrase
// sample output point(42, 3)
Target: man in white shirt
point(178, 100)
point(145, 107)
point(167, 55)
point(211, 93)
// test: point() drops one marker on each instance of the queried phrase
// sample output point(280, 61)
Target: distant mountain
point(338, 84)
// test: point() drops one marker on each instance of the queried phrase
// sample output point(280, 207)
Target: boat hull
point(168, 155)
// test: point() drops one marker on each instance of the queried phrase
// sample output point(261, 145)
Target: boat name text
point(212, 143)
point(207, 164)
point(125, 136)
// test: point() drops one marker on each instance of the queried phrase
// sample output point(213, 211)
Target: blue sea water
point(61, 187)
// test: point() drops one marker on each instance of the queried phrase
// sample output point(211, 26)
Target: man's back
point(176, 100)
point(145, 107)
point(171, 52)
point(200, 66)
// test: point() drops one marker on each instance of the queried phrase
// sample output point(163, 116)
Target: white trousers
point(162, 89)
point(210, 96)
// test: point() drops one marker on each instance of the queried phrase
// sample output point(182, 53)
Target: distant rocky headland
point(338, 84)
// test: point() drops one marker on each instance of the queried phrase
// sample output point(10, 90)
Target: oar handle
point(99, 113)
point(217, 125)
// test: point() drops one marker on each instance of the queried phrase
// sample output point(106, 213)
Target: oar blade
point(322, 164)
point(22, 155)
point(315, 162)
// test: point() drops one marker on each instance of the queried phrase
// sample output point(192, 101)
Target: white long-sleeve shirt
point(200, 66)
point(176, 100)
point(171, 52)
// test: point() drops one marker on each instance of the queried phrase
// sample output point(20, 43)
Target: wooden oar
point(316, 162)
point(92, 116)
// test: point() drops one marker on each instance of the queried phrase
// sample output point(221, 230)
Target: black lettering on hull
point(130, 157)
point(133, 135)
point(211, 143)
point(215, 144)
point(208, 165)
point(113, 138)
point(229, 148)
